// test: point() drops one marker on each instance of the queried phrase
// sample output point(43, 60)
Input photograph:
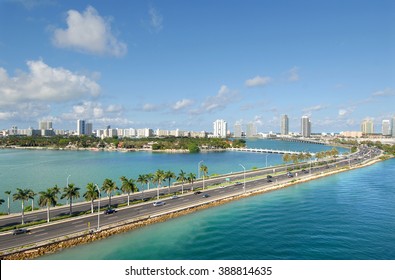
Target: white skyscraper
point(306, 126)
point(251, 130)
point(284, 125)
point(386, 127)
point(220, 128)
point(393, 127)
point(367, 127)
point(238, 130)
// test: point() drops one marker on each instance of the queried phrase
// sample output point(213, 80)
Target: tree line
point(49, 198)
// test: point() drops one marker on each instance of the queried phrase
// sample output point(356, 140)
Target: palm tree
point(191, 178)
point(32, 195)
point(204, 169)
point(150, 178)
point(91, 194)
point(109, 186)
point(182, 178)
point(48, 198)
point(159, 177)
point(70, 192)
point(128, 186)
point(1, 201)
point(286, 158)
point(168, 176)
point(56, 189)
point(8, 193)
point(143, 180)
point(23, 195)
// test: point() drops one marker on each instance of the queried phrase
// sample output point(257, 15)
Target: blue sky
point(183, 64)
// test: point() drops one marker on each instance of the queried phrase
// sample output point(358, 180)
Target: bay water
point(350, 215)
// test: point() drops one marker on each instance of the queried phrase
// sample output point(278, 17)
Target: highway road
point(67, 227)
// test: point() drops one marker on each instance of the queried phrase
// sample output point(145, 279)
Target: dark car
point(205, 195)
point(20, 231)
point(238, 183)
point(198, 192)
point(269, 181)
point(269, 176)
point(109, 211)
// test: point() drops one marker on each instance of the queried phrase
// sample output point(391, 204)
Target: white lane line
point(42, 234)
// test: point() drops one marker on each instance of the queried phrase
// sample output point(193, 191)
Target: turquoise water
point(346, 216)
point(41, 169)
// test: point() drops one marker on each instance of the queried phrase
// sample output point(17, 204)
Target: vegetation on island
point(193, 145)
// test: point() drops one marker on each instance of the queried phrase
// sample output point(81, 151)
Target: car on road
point(206, 195)
point(269, 176)
point(269, 180)
point(305, 171)
point(20, 231)
point(159, 203)
point(290, 175)
point(198, 192)
point(174, 197)
point(109, 211)
point(238, 183)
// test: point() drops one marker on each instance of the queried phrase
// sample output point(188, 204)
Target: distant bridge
point(264, 151)
point(300, 140)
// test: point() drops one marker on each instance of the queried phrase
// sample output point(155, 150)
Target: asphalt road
point(80, 224)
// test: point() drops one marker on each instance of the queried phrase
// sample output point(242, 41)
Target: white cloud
point(88, 32)
point(182, 104)
point(224, 97)
point(293, 74)
point(316, 108)
point(258, 81)
point(156, 19)
point(385, 92)
point(43, 83)
point(148, 107)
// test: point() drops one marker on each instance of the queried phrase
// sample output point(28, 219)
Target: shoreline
point(55, 246)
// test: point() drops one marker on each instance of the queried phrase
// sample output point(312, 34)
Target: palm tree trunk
point(109, 200)
point(47, 213)
point(23, 221)
point(92, 206)
point(70, 205)
point(8, 205)
point(128, 199)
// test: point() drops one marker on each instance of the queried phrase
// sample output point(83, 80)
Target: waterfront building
point(220, 128)
point(306, 126)
point(88, 128)
point(284, 125)
point(162, 133)
point(237, 130)
point(145, 132)
point(367, 127)
point(251, 130)
point(386, 128)
point(393, 127)
point(80, 127)
point(13, 130)
point(45, 125)
point(351, 134)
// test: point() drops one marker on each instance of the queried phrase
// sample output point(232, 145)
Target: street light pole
point(199, 168)
point(244, 187)
point(98, 209)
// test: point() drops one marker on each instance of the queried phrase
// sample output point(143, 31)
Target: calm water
point(345, 216)
point(40, 169)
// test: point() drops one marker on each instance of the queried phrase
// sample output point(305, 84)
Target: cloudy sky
point(183, 63)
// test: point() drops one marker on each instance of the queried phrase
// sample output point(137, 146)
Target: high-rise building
point(284, 125)
point(393, 127)
point(220, 128)
point(81, 127)
point(88, 128)
point(46, 125)
point(367, 127)
point(306, 126)
point(386, 128)
point(251, 130)
point(238, 130)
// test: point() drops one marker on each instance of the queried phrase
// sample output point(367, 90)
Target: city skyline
point(151, 65)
